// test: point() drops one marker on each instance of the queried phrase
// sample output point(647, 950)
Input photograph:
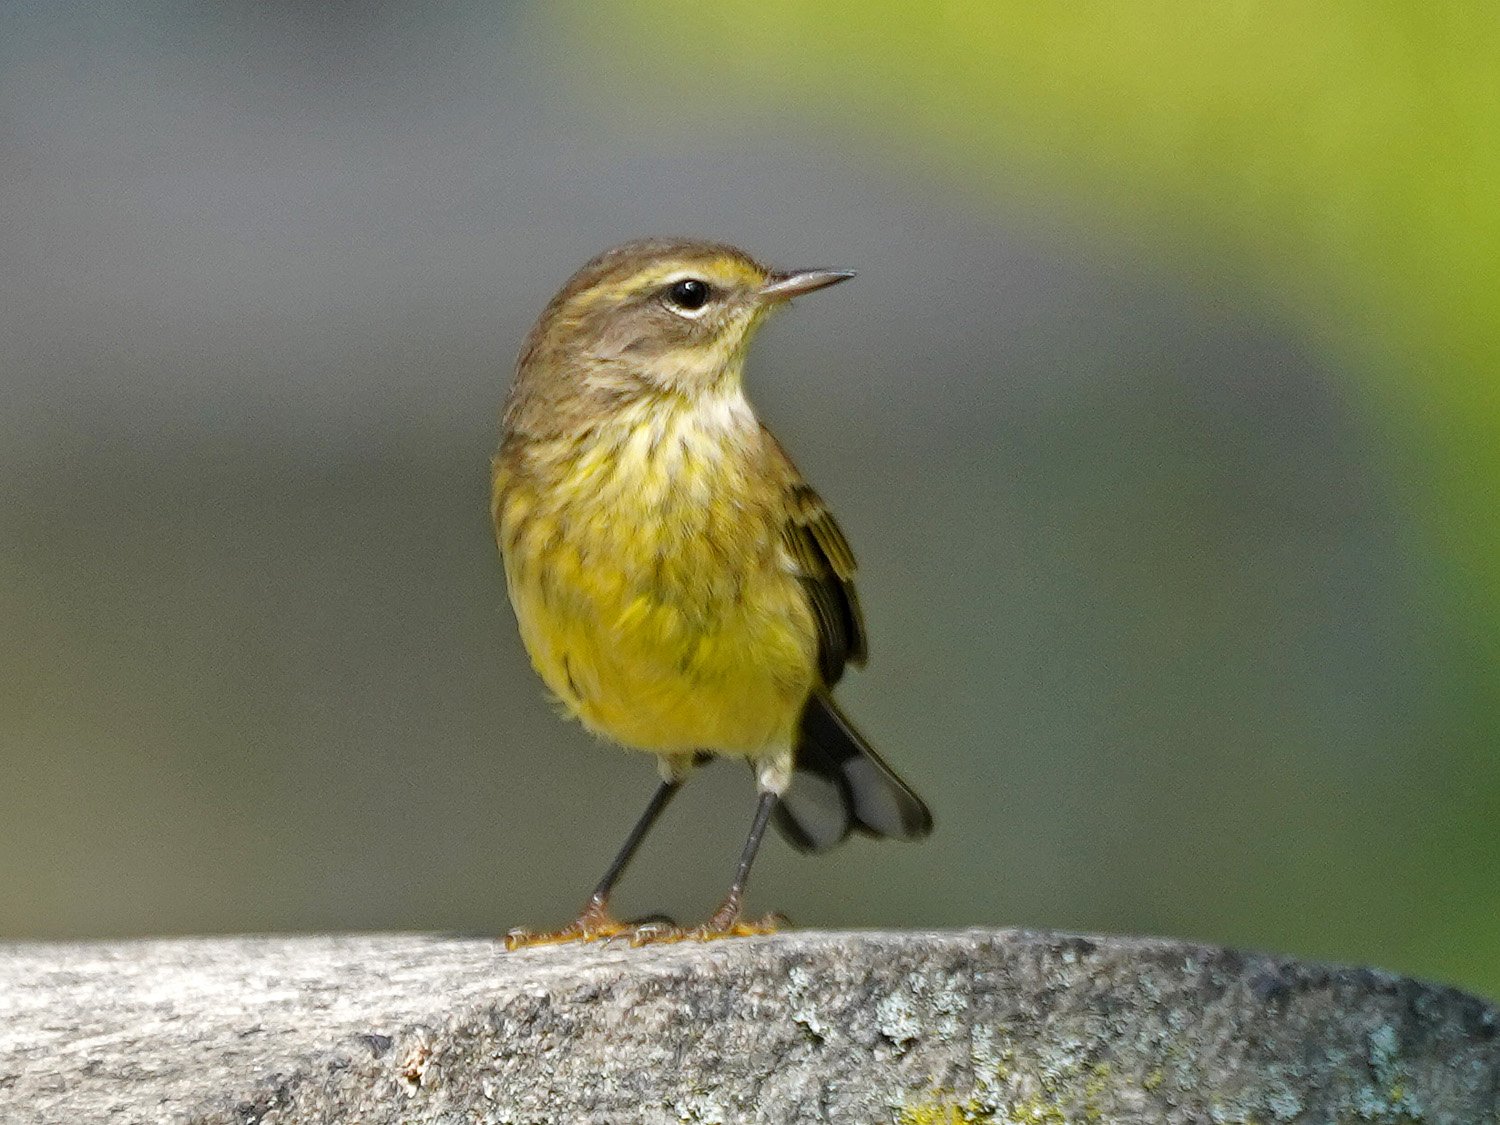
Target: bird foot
point(726, 922)
point(594, 924)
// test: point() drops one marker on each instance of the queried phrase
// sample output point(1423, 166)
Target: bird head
point(669, 316)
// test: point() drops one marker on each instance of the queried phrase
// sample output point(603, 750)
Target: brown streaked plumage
point(679, 586)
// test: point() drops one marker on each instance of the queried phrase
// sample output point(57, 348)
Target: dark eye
point(689, 293)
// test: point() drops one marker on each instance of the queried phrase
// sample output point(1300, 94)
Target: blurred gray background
point(1151, 629)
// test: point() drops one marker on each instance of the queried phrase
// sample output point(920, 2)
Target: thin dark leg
point(595, 921)
point(752, 844)
point(726, 919)
point(659, 801)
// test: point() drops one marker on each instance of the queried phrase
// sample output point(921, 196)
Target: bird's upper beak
point(785, 286)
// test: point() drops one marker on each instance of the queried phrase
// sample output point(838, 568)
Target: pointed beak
point(785, 286)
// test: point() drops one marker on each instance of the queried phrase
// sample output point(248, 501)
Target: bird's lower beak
point(785, 286)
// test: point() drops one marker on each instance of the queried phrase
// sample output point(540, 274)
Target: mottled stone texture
point(860, 1028)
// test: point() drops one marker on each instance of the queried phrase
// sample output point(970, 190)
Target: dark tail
point(842, 786)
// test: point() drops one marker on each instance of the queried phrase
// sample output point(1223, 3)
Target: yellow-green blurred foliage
point(1342, 157)
point(1347, 154)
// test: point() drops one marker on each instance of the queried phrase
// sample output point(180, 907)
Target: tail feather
point(841, 786)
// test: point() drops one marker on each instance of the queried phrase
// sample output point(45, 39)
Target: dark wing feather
point(840, 784)
point(826, 564)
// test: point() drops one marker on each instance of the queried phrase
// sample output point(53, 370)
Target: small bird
point(679, 586)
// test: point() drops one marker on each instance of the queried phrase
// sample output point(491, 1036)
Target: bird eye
point(689, 293)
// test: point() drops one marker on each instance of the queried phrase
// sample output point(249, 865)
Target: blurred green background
point(1163, 415)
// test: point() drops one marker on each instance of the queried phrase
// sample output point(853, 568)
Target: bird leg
point(726, 920)
point(596, 923)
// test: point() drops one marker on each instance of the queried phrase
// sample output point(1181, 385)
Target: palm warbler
point(679, 586)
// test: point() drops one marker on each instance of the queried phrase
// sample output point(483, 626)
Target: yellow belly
point(657, 602)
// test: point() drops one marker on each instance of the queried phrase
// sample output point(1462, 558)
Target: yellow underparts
point(648, 575)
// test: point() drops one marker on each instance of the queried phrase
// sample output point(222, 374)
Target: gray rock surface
point(848, 1027)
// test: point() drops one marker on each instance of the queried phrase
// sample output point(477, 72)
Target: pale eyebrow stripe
point(662, 275)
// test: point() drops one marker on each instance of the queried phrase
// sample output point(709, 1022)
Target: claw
point(739, 927)
point(655, 933)
point(594, 924)
point(725, 923)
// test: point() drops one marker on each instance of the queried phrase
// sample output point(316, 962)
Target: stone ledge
point(801, 1027)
